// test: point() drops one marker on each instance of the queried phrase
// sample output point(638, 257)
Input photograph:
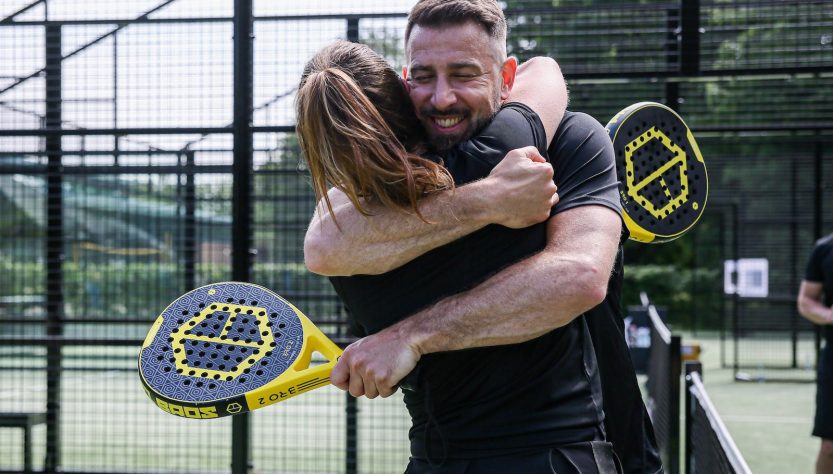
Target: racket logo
point(234, 408)
point(653, 190)
point(222, 330)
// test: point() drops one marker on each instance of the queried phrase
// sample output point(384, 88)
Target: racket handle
point(300, 377)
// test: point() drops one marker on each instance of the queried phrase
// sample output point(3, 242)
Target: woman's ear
point(405, 78)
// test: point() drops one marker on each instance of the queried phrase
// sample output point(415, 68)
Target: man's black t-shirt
point(502, 399)
point(820, 270)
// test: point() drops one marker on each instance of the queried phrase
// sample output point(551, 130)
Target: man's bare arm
point(810, 305)
point(524, 301)
point(519, 192)
point(540, 86)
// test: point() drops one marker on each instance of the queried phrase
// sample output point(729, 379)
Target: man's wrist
point(410, 333)
point(474, 203)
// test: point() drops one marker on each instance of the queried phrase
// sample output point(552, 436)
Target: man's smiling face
point(454, 74)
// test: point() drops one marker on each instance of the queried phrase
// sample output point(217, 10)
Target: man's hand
point(374, 365)
point(521, 188)
point(829, 316)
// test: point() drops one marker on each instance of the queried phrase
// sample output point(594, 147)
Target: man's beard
point(441, 143)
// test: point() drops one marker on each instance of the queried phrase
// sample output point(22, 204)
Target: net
point(710, 448)
point(663, 386)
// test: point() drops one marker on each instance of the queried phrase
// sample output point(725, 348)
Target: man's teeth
point(448, 122)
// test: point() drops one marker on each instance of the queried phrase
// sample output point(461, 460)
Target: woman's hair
point(358, 131)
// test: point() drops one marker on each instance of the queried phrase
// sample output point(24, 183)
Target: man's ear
point(508, 71)
point(405, 79)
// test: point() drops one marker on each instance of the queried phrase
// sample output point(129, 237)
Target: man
point(458, 74)
point(815, 297)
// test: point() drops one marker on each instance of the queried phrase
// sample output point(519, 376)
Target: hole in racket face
point(216, 343)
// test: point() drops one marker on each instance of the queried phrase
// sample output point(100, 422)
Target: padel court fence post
point(189, 223)
point(351, 455)
point(818, 219)
point(54, 245)
point(663, 385)
point(242, 229)
point(689, 37)
point(735, 297)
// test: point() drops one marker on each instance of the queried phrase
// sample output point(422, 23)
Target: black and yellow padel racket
point(663, 183)
point(228, 348)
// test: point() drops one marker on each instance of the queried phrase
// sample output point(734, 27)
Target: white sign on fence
point(748, 277)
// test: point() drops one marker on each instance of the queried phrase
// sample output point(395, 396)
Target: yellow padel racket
point(663, 183)
point(228, 348)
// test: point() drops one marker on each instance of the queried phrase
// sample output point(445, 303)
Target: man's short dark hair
point(436, 13)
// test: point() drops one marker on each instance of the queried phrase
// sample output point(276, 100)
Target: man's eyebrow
point(420, 67)
point(464, 65)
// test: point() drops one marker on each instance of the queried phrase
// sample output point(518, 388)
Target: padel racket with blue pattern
point(663, 185)
point(228, 348)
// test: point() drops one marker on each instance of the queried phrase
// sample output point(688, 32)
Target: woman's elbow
point(316, 258)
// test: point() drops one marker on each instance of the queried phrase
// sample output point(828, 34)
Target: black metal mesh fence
point(118, 145)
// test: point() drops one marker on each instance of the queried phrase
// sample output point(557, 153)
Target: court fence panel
point(148, 147)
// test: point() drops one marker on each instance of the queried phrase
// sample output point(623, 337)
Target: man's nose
point(443, 96)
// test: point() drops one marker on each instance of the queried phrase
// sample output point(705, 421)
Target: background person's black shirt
point(502, 399)
point(820, 270)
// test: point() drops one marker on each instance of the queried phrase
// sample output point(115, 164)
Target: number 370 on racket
point(228, 348)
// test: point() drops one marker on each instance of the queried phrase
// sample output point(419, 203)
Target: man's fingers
point(340, 375)
point(370, 390)
point(356, 384)
point(385, 392)
point(532, 153)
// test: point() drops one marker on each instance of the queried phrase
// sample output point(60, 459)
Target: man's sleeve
point(585, 165)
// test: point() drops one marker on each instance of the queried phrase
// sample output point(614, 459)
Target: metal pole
point(352, 434)
point(351, 411)
point(690, 367)
point(242, 250)
point(818, 198)
point(735, 297)
point(353, 29)
point(794, 255)
point(675, 353)
point(54, 247)
point(189, 247)
point(723, 312)
point(690, 37)
point(672, 58)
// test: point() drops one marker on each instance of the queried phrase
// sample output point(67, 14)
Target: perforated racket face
point(218, 342)
point(663, 183)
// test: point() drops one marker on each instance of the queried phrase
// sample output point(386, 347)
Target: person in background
point(815, 298)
